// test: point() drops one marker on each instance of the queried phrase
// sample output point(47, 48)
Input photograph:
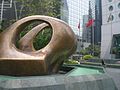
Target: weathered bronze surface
point(28, 61)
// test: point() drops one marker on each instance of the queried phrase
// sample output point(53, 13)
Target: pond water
point(85, 71)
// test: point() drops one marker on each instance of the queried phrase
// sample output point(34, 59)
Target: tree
point(90, 50)
point(39, 7)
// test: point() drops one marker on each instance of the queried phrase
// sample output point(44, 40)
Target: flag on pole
point(90, 18)
point(90, 23)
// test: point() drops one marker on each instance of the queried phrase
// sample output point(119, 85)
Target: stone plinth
point(58, 82)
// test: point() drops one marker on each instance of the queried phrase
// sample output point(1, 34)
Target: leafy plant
point(71, 62)
point(86, 57)
point(42, 39)
point(91, 50)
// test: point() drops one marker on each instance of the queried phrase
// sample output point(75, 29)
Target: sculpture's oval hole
point(42, 38)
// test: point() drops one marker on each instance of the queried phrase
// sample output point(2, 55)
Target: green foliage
point(97, 50)
point(71, 62)
point(42, 7)
point(115, 50)
point(84, 52)
point(86, 57)
point(42, 39)
point(90, 49)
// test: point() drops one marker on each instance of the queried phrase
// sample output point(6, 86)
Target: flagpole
point(111, 38)
point(79, 19)
point(110, 20)
point(111, 30)
point(93, 37)
point(79, 28)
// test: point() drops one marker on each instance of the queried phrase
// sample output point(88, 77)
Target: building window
point(119, 5)
point(110, 18)
point(110, 0)
point(110, 8)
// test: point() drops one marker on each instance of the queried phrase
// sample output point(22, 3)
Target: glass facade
point(86, 34)
point(97, 16)
point(92, 6)
point(98, 21)
point(64, 11)
point(115, 47)
point(77, 8)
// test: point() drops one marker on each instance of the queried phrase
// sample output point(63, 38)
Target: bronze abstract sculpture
point(28, 61)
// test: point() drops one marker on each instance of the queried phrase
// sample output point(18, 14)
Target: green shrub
point(86, 57)
point(71, 62)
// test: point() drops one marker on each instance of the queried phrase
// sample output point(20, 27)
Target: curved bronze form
point(28, 61)
point(26, 42)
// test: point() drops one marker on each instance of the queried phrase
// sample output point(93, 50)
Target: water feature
point(85, 71)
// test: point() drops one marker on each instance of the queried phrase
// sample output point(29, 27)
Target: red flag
point(90, 22)
point(79, 25)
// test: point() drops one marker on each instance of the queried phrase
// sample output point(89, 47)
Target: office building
point(77, 8)
point(86, 34)
point(110, 44)
point(64, 11)
point(95, 12)
point(98, 22)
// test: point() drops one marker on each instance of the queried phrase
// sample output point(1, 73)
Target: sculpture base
point(22, 67)
point(58, 82)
